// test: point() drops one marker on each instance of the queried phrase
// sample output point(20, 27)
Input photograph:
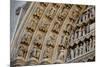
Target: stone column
point(87, 45)
point(79, 32)
point(93, 42)
point(75, 35)
point(81, 19)
point(72, 36)
point(86, 15)
point(84, 47)
point(72, 54)
point(69, 54)
point(88, 28)
point(83, 30)
point(92, 13)
point(76, 51)
point(81, 48)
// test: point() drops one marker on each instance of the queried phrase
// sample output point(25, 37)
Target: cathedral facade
point(54, 33)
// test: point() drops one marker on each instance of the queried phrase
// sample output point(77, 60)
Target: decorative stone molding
point(55, 33)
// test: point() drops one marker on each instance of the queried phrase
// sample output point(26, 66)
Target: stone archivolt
point(56, 33)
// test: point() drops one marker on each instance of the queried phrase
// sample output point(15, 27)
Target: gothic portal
point(53, 33)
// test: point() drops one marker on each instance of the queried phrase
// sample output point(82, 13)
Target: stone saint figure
point(61, 54)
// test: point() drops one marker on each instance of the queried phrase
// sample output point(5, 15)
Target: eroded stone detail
point(57, 33)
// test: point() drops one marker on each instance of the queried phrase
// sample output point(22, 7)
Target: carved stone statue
point(72, 54)
point(38, 39)
point(68, 6)
point(69, 54)
point(31, 26)
point(48, 52)
point(87, 45)
point(79, 7)
point(88, 28)
point(26, 39)
point(91, 44)
point(81, 48)
point(38, 13)
point(49, 46)
point(51, 40)
point(63, 14)
point(84, 47)
point(55, 5)
point(76, 34)
point(62, 39)
point(22, 51)
point(50, 13)
point(43, 4)
point(74, 14)
point(80, 31)
point(56, 27)
point(44, 26)
point(62, 53)
point(83, 30)
point(76, 51)
point(35, 52)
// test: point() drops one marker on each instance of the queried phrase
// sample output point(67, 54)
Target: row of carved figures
point(87, 15)
point(51, 39)
point(82, 31)
point(87, 21)
point(29, 29)
point(85, 25)
point(82, 47)
point(27, 37)
point(50, 44)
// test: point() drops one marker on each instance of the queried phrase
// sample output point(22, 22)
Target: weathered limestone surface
point(52, 33)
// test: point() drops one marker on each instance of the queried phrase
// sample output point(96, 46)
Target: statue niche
point(37, 46)
point(79, 7)
point(74, 14)
point(26, 39)
point(50, 13)
point(22, 51)
point(38, 39)
point(56, 27)
point(37, 15)
point(48, 51)
point(93, 42)
point(81, 48)
point(43, 4)
point(63, 13)
point(55, 5)
point(68, 53)
point(68, 28)
point(31, 25)
point(61, 52)
point(44, 26)
point(50, 46)
point(36, 51)
point(68, 6)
